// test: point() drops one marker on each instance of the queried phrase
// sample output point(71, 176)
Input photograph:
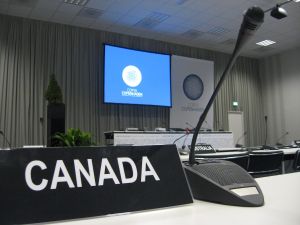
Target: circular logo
point(132, 76)
point(193, 87)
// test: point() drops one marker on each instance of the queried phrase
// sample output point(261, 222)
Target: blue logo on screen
point(132, 76)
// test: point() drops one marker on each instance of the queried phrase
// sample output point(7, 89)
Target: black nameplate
point(48, 184)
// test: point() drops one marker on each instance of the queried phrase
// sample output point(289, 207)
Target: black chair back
point(240, 158)
point(297, 161)
point(265, 162)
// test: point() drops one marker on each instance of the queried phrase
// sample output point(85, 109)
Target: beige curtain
point(31, 50)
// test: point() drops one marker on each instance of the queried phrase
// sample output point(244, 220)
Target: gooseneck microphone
point(253, 18)
point(190, 125)
point(192, 128)
point(187, 132)
point(42, 123)
point(5, 139)
point(281, 137)
point(208, 126)
point(214, 179)
point(237, 145)
point(266, 132)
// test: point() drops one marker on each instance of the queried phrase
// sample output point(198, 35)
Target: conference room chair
point(241, 158)
point(297, 161)
point(265, 162)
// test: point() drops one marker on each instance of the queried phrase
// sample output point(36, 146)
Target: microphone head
point(253, 18)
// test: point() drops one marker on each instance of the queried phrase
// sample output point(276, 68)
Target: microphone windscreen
point(254, 17)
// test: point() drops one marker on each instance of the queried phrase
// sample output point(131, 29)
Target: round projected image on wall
point(193, 87)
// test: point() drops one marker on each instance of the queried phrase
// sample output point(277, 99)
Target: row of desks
point(287, 163)
point(216, 139)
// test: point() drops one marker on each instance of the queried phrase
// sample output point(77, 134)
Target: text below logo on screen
point(132, 77)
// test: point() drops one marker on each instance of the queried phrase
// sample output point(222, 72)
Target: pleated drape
point(31, 50)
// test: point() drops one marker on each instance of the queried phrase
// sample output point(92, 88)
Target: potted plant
point(73, 137)
point(55, 109)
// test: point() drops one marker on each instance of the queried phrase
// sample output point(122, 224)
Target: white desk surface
point(216, 139)
point(225, 154)
point(289, 151)
point(286, 151)
point(282, 207)
point(228, 149)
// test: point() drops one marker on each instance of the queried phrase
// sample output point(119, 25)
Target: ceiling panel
point(46, 4)
point(82, 21)
point(25, 3)
point(138, 12)
point(61, 17)
point(3, 7)
point(99, 25)
point(109, 17)
point(69, 9)
point(99, 4)
point(19, 10)
point(127, 21)
point(211, 24)
point(41, 14)
point(122, 7)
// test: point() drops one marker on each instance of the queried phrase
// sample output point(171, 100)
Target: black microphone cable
point(5, 139)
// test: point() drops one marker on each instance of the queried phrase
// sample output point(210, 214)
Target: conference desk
point(281, 207)
point(287, 163)
point(234, 151)
point(218, 139)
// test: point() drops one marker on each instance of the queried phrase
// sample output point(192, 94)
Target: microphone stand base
point(223, 182)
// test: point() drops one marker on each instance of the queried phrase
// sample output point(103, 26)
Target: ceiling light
point(278, 12)
point(296, 0)
point(76, 2)
point(265, 43)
